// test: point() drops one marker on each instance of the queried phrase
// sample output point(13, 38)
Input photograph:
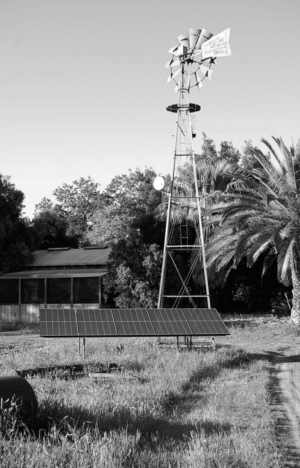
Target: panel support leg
point(83, 348)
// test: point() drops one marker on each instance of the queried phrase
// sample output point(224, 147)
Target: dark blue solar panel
point(96, 322)
point(133, 322)
point(170, 322)
point(58, 322)
point(205, 322)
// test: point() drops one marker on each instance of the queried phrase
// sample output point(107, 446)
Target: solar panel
point(96, 322)
point(205, 322)
point(131, 322)
point(58, 322)
point(169, 322)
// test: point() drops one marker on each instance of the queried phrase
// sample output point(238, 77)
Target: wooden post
point(45, 293)
point(100, 292)
point(72, 293)
point(83, 339)
point(19, 301)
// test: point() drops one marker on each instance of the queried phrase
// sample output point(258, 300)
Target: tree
point(127, 219)
point(128, 207)
point(248, 161)
point(77, 203)
point(16, 236)
point(133, 274)
point(261, 216)
point(227, 151)
point(208, 148)
point(51, 226)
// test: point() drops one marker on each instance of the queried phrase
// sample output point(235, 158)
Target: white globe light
point(158, 183)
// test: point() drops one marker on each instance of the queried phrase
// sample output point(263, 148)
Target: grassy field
point(164, 409)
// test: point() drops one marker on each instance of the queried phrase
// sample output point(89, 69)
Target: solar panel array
point(130, 322)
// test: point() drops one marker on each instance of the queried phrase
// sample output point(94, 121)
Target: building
point(60, 277)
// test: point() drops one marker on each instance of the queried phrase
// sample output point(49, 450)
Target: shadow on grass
point(162, 430)
point(71, 423)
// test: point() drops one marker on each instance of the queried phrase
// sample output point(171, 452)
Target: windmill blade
point(195, 53)
point(172, 63)
point(173, 49)
point(217, 46)
point(198, 83)
point(204, 36)
point(194, 36)
point(181, 50)
point(173, 75)
point(184, 40)
point(188, 82)
point(206, 71)
point(209, 74)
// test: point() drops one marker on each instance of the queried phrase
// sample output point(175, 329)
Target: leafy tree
point(51, 226)
point(128, 207)
point(229, 153)
point(77, 203)
point(134, 274)
point(261, 216)
point(208, 148)
point(126, 217)
point(248, 160)
point(16, 235)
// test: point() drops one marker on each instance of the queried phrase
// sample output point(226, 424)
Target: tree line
point(251, 214)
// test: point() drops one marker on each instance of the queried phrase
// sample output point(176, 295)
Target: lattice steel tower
point(183, 255)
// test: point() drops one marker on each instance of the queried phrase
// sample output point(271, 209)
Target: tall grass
point(165, 409)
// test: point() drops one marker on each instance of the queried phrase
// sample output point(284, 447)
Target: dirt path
point(285, 391)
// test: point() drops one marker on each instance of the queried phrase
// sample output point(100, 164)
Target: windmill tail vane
point(184, 251)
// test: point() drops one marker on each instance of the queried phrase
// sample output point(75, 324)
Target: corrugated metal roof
point(71, 257)
point(65, 273)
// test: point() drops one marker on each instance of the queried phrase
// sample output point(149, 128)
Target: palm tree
point(260, 215)
point(212, 177)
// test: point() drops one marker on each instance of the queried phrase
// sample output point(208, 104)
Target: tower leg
point(165, 253)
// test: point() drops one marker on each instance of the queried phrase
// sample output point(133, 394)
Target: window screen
point(86, 290)
point(32, 291)
point(9, 291)
point(58, 290)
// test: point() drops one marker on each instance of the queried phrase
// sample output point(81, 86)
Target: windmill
point(184, 256)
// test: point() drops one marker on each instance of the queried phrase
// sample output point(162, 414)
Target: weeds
point(181, 410)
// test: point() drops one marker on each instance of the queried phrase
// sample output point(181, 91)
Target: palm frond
point(257, 249)
point(268, 261)
point(285, 261)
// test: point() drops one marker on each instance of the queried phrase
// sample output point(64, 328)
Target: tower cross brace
point(183, 201)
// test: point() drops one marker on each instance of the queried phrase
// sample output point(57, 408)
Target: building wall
point(30, 313)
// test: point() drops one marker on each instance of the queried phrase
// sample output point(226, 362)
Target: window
point(9, 291)
point(86, 290)
point(32, 291)
point(58, 290)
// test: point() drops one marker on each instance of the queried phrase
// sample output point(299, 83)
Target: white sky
point(84, 92)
